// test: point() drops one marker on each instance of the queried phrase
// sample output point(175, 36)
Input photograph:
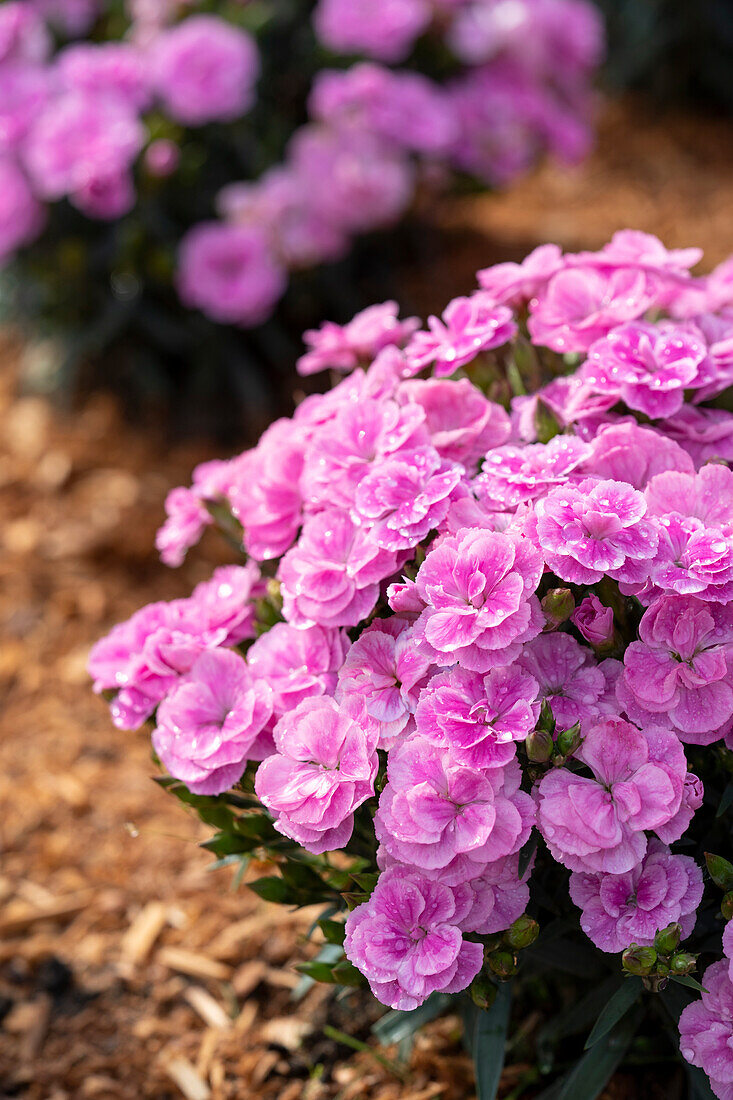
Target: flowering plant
point(471, 688)
point(119, 148)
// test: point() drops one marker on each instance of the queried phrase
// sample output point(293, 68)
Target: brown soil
point(128, 969)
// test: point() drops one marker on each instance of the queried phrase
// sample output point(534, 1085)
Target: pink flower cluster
point(480, 634)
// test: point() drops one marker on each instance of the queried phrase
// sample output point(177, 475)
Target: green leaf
point(592, 1073)
point(616, 1008)
point(357, 1044)
point(685, 979)
point(721, 871)
point(334, 931)
point(726, 800)
point(572, 1020)
point(272, 889)
point(489, 1043)
point(395, 1026)
point(527, 852)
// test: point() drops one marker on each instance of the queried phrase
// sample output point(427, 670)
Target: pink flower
point(478, 717)
point(110, 68)
point(264, 491)
point(332, 575)
point(579, 305)
point(632, 248)
point(225, 603)
point(229, 272)
point(361, 433)
point(469, 326)
point(162, 158)
point(478, 590)
point(385, 669)
point(382, 29)
point(511, 476)
point(648, 367)
point(435, 810)
point(512, 284)
point(407, 942)
point(208, 725)
point(626, 452)
point(462, 423)
point(205, 70)
point(21, 215)
point(298, 664)
point(323, 769)
point(187, 519)
point(596, 528)
point(345, 347)
point(568, 677)
point(25, 89)
point(594, 621)
point(618, 910)
point(681, 667)
point(598, 824)
point(404, 497)
point(23, 34)
point(728, 945)
point(706, 1030)
point(704, 433)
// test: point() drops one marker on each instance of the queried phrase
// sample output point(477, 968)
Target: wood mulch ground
point(129, 970)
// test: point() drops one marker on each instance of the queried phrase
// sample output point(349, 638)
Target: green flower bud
point(558, 605)
point(667, 939)
point(482, 991)
point(721, 871)
point(539, 746)
point(569, 740)
point(639, 960)
point(503, 964)
point(726, 906)
point(522, 933)
point(682, 963)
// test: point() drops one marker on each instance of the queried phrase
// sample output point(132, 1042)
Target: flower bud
point(721, 871)
point(569, 740)
point(539, 746)
point(558, 606)
point(594, 621)
point(639, 960)
point(522, 933)
point(726, 906)
point(667, 939)
point(682, 963)
point(482, 992)
point(503, 964)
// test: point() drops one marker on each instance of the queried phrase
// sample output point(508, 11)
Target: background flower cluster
point(481, 643)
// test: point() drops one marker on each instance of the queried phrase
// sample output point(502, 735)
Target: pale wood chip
point(247, 977)
point(284, 979)
point(11, 924)
point(264, 1067)
point(138, 941)
point(195, 965)
point(285, 1031)
point(36, 1033)
point(182, 1073)
point(210, 1011)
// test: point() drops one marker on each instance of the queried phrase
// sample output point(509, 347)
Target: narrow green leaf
point(726, 800)
point(616, 1008)
point(489, 1043)
point(526, 853)
point(592, 1073)
point(272, 889)
point(395, 1026)
point(357, 1044)
point(685, 979)
point(334, 931)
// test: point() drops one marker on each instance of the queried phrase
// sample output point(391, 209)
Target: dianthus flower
point(477, 589)
point(109, 68)
point(728, 945)
point(568, 678)
point(648, 367)
point(298, 664)
point(404, 497)
point(626, 452)
point(704, 433)
point(597, 824)
point(264, 491)
point(693, 516)
point(207, 727)
point(579, 305)
point(478, 717)
point(681, 667)
point(361, 432)
point(382, 29)
point(332, 575)
point(596, 528)
point(205, 70)
point(229, 272)
point(24, 92)
point(406, 940)
point(468, 327)
point(21, 215)
point(618, 910)
point(706, 1030)
point(224, 605)
point(512, 284)
point(435, 810)
point(23, 34)
point(593, 620)
point(388, 672)
point(462, 423)
point(186, 520)
point(323, 769)
point(516, 475)
point(345, 347)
